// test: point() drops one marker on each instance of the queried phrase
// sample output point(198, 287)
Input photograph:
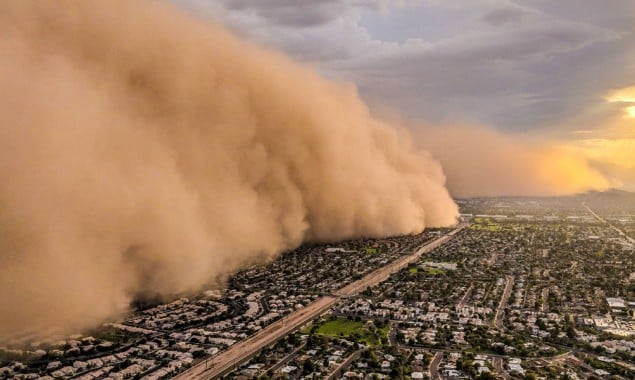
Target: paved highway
point(384, 272)
point(500, 310)
point(244, 350)
point(619, 231)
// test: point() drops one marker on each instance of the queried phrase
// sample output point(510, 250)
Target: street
point(242, 351)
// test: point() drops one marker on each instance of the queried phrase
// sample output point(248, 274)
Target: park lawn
point(340, 326)
point(354, 330)
point(433, 271)
point(371, 250)
point(487, 227)
point(382, 334)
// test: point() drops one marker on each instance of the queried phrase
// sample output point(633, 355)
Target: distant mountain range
point(610, 193)
point(614, 199)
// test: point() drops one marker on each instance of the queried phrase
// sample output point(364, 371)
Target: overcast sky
point(514, 65)
point(540, 67)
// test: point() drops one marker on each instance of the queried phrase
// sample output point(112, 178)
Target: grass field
point(371, 250)
point(413, 270)
point(433, 271)
point(358, 331)
point(485, 225)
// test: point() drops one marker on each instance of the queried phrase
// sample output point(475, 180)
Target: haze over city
point(193, 188)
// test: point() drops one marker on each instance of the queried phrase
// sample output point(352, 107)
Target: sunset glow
point(626, 96)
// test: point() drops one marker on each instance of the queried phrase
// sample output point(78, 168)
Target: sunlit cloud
point(614, 157)
point(618, 151)
point(582, 132)
point(626, 96)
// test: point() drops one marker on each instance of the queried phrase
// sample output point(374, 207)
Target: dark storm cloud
point(516, 65)
point(500, 16)
point(293, 13)
point(512, 80)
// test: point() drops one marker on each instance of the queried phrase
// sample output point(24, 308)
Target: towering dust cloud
point(143, 151)
point(483, 162)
